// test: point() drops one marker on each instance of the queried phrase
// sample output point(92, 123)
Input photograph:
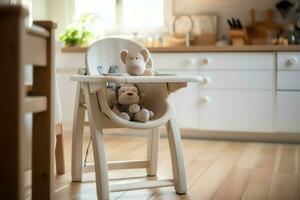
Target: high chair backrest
point(106, 53)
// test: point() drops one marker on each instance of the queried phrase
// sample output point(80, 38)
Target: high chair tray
point(136, 79)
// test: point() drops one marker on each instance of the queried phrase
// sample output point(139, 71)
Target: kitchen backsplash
point(227, 9)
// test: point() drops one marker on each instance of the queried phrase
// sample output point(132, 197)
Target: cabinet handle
point(191, 61)
point(205, 61)
point(291, 61)
point(205, 99)
point(205, 80)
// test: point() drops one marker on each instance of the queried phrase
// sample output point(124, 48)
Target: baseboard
point(216, 135)
point(242, 136)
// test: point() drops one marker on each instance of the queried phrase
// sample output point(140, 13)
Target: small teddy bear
point(136, 64)
point(126, 104)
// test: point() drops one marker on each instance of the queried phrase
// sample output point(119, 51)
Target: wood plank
point(284, 186)
point(43, 126)
point(201, 157)
point(209, 182)
point(236, 182)
point(285, 177)
point(141, 185)
point(197, 161)
point(288, 159)
point(35, 50)
point(35, 104)
point(250, 156)
point(59, 153)
point(267, 157)
point(234, 185)
point(12, 118)
point(259, 184)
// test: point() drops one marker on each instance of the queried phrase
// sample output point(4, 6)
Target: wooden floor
point(214, 170)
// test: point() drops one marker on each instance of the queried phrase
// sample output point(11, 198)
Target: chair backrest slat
point(105, 53)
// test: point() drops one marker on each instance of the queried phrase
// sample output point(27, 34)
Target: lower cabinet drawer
point(238, 80)
point(288, 112)
point(288, 80)
point(225, 110)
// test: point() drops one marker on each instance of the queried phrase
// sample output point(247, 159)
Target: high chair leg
point(77, 137)
point(152, 151)
point(176, 152)
point(176, 156)
point(101, 169)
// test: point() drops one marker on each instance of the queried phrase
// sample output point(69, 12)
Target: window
point(125, 15)
point(104, 8)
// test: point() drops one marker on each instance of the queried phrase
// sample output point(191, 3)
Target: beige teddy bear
point(136, 64)
point(126, 104)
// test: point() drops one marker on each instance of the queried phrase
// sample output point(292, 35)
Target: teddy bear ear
point(145, 54)
point(123, 55)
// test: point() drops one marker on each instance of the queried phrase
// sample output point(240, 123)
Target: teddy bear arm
point(148, 72)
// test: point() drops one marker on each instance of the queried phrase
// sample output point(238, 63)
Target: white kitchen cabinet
point(288, 80)
point(244, 91)
point(288, 111)
point(288, 61)
point(288, 92)
point(242, 80)
point(237, 94)
point(224, 110)
point(236, 110)
point(187, 106)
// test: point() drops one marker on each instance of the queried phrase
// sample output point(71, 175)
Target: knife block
point(239, 37)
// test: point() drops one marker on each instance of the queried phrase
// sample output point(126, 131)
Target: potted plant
point(83, 31)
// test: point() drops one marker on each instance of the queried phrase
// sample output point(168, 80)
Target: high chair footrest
point(132, 164)
point(141, 185)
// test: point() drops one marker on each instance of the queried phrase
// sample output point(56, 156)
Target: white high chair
point(91, 95)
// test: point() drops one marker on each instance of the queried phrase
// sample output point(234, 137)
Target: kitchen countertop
point(246, 48)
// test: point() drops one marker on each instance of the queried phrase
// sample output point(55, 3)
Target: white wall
point(62, 11)
point(39, 9)
point(224, 9)
point(59, 11)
